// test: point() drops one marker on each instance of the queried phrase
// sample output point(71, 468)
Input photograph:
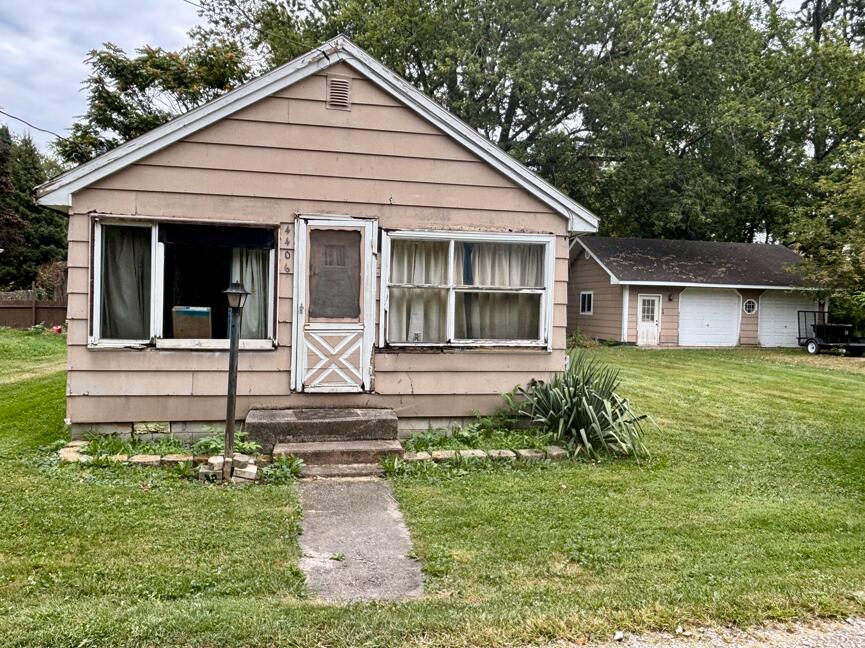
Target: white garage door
point(778, 324)
point(708, 317)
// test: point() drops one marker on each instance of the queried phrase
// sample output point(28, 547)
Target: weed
point(282, 470)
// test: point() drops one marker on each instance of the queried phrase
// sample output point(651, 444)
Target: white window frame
point(546, 293)
point(756, 306)
point(157, 268)
point(591, 294)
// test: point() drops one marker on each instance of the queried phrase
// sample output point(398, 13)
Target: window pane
point(648, 310)
point(499, 265)
point(417, 315)
point(125, 307)
point(334, 274)
point(497, 316)
point(419, 262)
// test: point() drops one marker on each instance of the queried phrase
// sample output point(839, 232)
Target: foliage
point(498, 432)
point(111, 444)
point(458, 468)
point(31, 236)
point(128, 96)
point(282, 470)
point(183, 470)
point(215, 444)
point(833, 234)
point(669, 119)
point(580, 408)
point(577, 340)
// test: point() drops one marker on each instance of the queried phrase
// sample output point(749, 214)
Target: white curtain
point(250, 267)
point(125, 300)
point(418, 314)
point(498, 316)
point(499, 265)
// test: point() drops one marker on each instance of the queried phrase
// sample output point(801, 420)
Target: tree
point(11, 224)
point(128, 96)
point(32, 235)
point(832, 236)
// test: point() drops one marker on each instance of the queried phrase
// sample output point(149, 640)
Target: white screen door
point(334, 304)
point(648, 320)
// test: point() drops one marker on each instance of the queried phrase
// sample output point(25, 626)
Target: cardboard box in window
point(191, 322)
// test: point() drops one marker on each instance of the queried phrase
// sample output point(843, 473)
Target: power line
point(34, 127)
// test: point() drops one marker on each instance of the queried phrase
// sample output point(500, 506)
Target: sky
point(43, 44)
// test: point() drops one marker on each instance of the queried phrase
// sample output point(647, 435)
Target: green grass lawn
point(751, 507)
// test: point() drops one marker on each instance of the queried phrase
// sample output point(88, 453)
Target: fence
point(24, 313)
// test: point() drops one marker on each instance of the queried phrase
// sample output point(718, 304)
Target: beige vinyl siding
point(605, 322)
point(669, 312)
point(748, 330)
point(286, 155)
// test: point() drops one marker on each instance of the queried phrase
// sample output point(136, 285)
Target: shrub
point(577, 340)
point(582, 410)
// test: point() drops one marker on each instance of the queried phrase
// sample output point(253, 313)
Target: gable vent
point(339, 92)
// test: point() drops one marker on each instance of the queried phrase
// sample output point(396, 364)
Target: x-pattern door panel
point(334, 360)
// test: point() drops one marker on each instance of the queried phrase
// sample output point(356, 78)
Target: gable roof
point(58, 191)
point(696, 263)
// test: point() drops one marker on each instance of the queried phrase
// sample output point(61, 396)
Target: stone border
point(244, 467)
point(553, 453)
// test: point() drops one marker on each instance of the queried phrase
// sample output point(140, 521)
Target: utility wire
point(34, 127)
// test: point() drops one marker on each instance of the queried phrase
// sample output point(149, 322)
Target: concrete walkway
point(355, 545)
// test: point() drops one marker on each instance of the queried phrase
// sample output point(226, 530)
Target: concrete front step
point(272, 427)
point(339, 452)
point(342, 470)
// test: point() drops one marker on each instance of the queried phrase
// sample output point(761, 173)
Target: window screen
point(334, 274)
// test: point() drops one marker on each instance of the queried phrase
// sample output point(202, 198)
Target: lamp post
point(236, 295)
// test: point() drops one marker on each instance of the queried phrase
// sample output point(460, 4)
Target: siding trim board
point(59, 190)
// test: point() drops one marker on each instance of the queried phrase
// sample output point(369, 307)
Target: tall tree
point(41, 235)
point(11, 224)
point(128, 96)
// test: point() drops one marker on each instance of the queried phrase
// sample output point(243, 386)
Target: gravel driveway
point(848, 633)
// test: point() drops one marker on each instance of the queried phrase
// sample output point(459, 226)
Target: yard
point(751, 507)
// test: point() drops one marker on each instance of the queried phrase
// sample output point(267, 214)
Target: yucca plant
point(581, 409)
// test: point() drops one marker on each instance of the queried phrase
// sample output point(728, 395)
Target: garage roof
point(696, 263)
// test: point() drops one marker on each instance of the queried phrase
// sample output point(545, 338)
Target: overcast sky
point(43, 44)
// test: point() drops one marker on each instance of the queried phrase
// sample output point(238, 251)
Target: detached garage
point(653, 292)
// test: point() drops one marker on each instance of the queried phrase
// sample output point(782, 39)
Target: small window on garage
point(749, 306)
point(586, 299)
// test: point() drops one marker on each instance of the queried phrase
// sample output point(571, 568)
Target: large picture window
point(163, 283)
point(467, 289)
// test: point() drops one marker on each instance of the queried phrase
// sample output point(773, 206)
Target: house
point(654, 292)
point(396, 259)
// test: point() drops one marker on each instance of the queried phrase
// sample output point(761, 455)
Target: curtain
point(250, 267)
point(499, 265)
point(498, 316)
point(418, 314)
point(125, 307)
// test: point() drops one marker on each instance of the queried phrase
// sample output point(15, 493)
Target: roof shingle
point(697, 262)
